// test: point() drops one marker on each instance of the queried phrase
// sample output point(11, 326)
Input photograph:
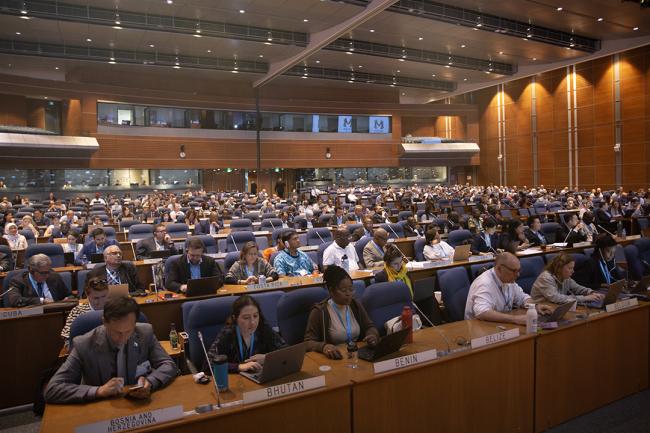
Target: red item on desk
point(407, 322)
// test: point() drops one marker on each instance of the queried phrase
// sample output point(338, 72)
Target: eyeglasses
point(43, 273)
point(161, 231)
point(514, 271)
point(115, 253)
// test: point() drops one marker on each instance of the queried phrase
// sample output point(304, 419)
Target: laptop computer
point(115, 290)
point(202, 286)
point(557, 314)
point(462, 253)
point(389, 344)
point(68, 258)
point(279, 363)
point(161, 254)
point(97, 258)
point(613, 292)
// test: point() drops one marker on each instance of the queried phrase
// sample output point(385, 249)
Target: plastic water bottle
point(173, 337)
point(531, 319)
point(352, 352)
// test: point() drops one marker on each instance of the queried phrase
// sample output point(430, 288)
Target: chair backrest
point(242, 224)
point(5, 284)
point(359, 246)
point(319, 235)
point(531, 267)
point(207, 316)
point(383, 301)
point(109, 232)
point(271, 224)
point(418, 247)
point(53, 251)
point(458, 237)
point(293, 311)
point(209, 242)
point(325, 218)
point(454, 284)
point(269, 215)
point(82, 276)
point(88, 321)
point(395, 230)
point(319, 254)
point(177, 230)
point(230, 259)
point(29, 235)
point(404, 215)
point(127, 224)
point(353, 227)
point(236, 240)
point(170, 260)
point(550, 231)
point(7, 251)
point(635, 254)
point(140, 231)
point(478, 268)
point(253, 216)
point(269, 305)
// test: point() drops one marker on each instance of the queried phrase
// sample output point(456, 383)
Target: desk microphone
point(271, 222)
point(567, 236)
point(319, 236)
point(234, 243)
point(605, 230)
point(9, 290)
point(396, 235)
point(444, 337)
point(214, 379)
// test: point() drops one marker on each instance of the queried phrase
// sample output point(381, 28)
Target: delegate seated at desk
point(495, 293)
point(338, 319)
point(250, 267)
point(96, 291)
point(36, 285)
point(556, 285)
point(160, 241)
point(341, 252)
point(601, 269)
point(246, 338)
point(436, 248)
point(192, 265)
point(119, 352)
point(291, 261)
point(96, 246)
point(487, 241)
point(116, 271)
point(373, 251)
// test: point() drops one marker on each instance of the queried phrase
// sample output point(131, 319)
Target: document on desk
point(21, 312)
point(405, 361)
point(495, 338)
point(284, 389)
point(137, 420)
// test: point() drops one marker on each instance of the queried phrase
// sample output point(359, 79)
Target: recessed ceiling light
point(464, 79)
point(463, 46)
point(25, 17)
point(317, 61)
point(242, 11)
point(559, 9)
point(475, 28)
point(635, 28)
point(398, 71)
point(349, 52)
point(197, 35)
point(117, 27)
point(267, 43)
point(170, 2)
point(305, 20)
point(18, 33)
point(304, 76)
point(360, 66)
point(534, 59)
point(500, 52)
point(209, 51)
point(599, 20)
point(235, 71)
point(447, 66)
point(350, 81)
point(23, 10)
point(403, 94)
point(88, 40)
point(56, 68)
point(420, 38)
point(261, 56)
point(433, 75)
point(372, 30)
point(152, 46)
point(176, 67)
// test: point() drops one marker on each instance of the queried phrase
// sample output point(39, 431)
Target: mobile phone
point(135, 387)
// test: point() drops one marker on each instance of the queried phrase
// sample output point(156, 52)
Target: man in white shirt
point(98, 200)
point(341, 251)
point(495, 292)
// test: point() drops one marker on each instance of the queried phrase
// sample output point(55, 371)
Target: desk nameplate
point(128, 422)
point(273, 285)
point(284, 389)
point(495, 338)
point(405, 361)
point(22, 312)
point(621, 305)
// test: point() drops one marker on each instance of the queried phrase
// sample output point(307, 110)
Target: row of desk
point(526, 384)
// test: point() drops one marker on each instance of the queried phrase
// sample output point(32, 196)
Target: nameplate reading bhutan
point(284, 389)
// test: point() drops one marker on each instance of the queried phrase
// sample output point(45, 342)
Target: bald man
point(341, 251)
point(116, 271)
point(373, 251)
point(495, 292)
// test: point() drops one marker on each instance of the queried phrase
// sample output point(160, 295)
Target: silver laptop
point(279, 363)
point(462, 252)
point(557, 314)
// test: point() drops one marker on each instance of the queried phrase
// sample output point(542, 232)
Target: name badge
point(495, 338)
point(24, 312)
point(621, 305)
point(405, 361)
point(137, 420)
point(284, 389)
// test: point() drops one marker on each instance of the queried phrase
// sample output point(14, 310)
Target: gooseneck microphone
point(214, 379)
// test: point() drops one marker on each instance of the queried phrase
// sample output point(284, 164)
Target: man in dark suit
point(192, 265)
point(37, 285)
point(96, 246)
point(486, 241)
point(40, 220)
point(412, 228)
point(338, 218)
point(603, 217)
point(159, 242)
point(210, 226)
point(534, 232)
point(116, 271)
point(119, 352)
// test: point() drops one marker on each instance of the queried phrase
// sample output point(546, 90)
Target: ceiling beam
point(323, 38)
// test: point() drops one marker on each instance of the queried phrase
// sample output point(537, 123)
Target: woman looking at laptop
point(249, 267)
point(338, 319)
point(246, 337)
point(436, 248)
point(601, 269)
point(556, 285)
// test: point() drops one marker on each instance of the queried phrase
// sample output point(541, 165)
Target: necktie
point(113, 278)
point(121, 363)
point(39, 289)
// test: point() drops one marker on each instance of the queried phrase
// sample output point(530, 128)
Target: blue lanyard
point(348, 324)
point(249, 271)
point(379, 250)
point(606, 274)
point(241, 347)
point(507, 299)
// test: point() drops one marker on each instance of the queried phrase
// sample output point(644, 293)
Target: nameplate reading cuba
point(23, 312)
point(136, 420)
point(284, 389)
point(405, 361)
point(495, 338)
point(621, 305)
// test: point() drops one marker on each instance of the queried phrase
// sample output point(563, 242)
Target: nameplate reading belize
point(23, 312)
point(136, 420)
point(284, 389)
point(405, 361)
point(621, 305)
point(495, 338)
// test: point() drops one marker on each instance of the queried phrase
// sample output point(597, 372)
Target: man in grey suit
point(117, 271)
point(373, 252)
point(120, 352)
point(159, 242)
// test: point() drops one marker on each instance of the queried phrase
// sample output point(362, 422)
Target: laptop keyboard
point(366, 353)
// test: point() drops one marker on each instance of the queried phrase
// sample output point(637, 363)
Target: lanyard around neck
point(249, 352)
point(605, 271)
point(348, 323)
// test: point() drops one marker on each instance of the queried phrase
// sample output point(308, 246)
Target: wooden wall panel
point(13, 110)
point(418, 126)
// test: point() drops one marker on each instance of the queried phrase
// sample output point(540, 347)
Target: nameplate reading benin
point(24, 312)
point(137, 420)
point(284, 389)
point(621, 305)
point(495, 338)
point(405, 361)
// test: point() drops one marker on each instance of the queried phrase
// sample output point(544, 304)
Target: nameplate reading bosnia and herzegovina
point(136, 420)
point(284, 389)
point(22, 312)
point(495, 338)
point(405, 361)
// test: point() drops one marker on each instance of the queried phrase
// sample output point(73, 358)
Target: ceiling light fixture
point(559, 9)
point(242, 11)
point(170, 2)
point(88, 40)
point(599, 19)
point(635, 29)
point(305, 20)
point(18, 33)
point(463, 46)
point(372, 30)
point(420, 38)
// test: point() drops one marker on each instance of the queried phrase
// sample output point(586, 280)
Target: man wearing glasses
point(159, 242)
point(37, 285)
point(495, 293)
point(116, 271)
